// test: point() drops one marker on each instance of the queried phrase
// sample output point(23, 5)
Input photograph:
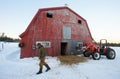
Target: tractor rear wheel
point(96, 56)
point(110, 54)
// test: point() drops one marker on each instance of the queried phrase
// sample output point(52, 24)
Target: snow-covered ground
point(12, 67)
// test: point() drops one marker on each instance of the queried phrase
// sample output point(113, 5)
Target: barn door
point(66, 32)
point(63, 48)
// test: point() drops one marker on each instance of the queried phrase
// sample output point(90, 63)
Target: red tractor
point(96, 51)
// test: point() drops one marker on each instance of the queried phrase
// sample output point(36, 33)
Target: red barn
point(59, 29)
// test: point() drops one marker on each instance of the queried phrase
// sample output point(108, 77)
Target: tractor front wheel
point(96, 56)
point(110, 54)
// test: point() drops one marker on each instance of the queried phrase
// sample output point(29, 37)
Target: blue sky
point(103, 16)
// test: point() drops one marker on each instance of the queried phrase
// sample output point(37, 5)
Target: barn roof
point(53, 8)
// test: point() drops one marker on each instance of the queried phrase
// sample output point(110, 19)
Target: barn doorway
point(63, 48)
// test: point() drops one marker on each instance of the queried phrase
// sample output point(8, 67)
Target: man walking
point(41, 55)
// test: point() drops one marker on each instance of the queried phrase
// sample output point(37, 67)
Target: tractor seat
point(102, 48)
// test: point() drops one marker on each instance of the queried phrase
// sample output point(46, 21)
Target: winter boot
point(40, 71)
point(48, 68)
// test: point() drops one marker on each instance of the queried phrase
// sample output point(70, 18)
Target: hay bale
point(71, 59)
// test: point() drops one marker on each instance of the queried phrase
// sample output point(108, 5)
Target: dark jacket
point(42, 52)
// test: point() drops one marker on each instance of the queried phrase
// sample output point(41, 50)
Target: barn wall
point(62, 18)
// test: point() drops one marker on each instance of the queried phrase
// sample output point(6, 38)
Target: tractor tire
point(110, 54)
point(86, 54)
point(96, 55)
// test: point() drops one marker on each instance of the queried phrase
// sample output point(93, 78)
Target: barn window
point(46, 44)
point(49, 15)
point(79, 22)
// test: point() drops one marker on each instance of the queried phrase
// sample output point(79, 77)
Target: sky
point(102, 16)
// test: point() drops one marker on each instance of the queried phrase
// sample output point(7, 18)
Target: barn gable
point(60, 27)
point(50, 9)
